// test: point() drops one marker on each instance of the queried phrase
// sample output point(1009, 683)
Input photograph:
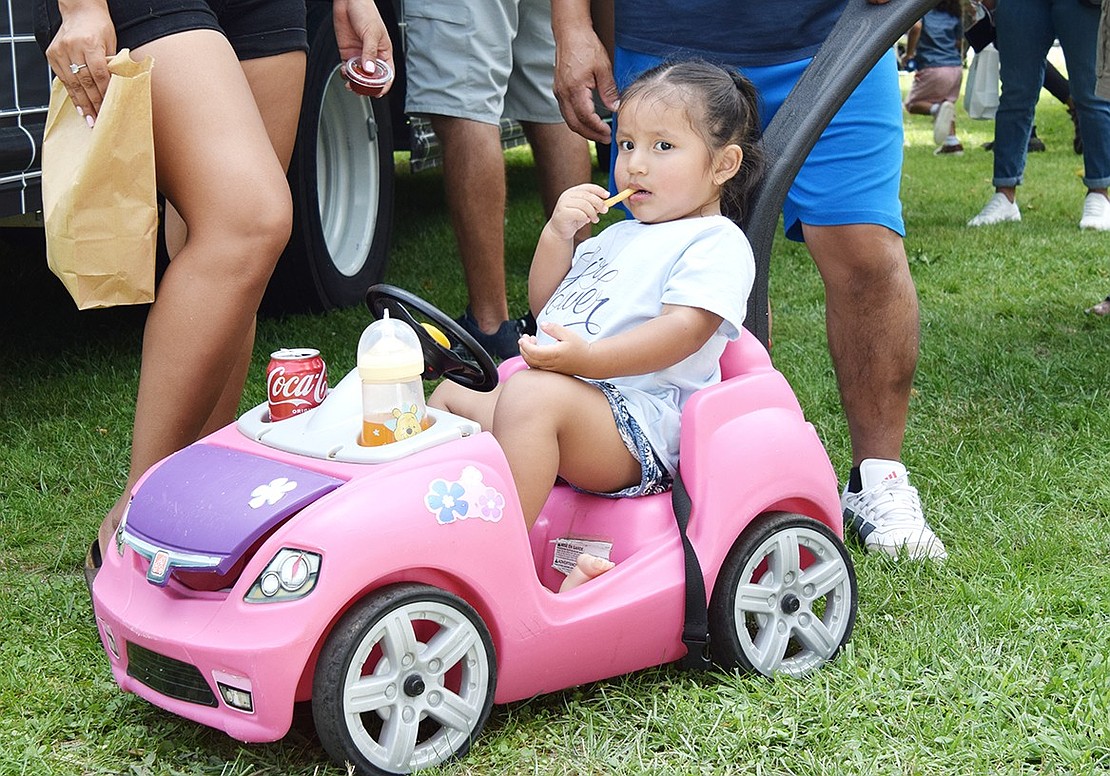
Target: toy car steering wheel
point(473, 368)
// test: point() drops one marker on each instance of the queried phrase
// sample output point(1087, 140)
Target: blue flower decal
point(445, 501)
point(464, 498)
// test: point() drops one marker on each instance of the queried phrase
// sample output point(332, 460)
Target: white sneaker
point(1096, 212)
point(886, 514)
point(942, 123)
point(997, 210)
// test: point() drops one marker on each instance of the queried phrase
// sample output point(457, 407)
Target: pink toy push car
point(396, 588)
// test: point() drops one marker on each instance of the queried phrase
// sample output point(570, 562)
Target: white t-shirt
point(622, 278)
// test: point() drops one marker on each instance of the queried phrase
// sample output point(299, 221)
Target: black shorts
point(255, 28)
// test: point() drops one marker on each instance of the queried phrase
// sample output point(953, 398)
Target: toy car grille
point(170, 677)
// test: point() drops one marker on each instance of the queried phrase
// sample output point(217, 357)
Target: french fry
point(621, 197)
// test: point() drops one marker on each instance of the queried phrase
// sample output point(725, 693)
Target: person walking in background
point(844, 204)
point(469, 65)
point(981, 33)
point(1026, 30)
point(934, 44)
point(228, 205)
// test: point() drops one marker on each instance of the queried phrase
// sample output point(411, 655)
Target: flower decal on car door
point(464, 498)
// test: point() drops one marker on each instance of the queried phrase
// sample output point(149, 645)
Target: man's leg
point(562, 160)
point(474, 177)
point(872, 321)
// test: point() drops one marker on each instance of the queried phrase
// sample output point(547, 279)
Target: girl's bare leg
point(218, 167)
point(475, 405)
point(550, 424)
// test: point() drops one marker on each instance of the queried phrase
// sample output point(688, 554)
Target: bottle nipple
point(389, 351)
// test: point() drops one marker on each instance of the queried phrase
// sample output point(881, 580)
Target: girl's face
point(666, 161)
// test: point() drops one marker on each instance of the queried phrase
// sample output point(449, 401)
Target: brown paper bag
point(99, 193)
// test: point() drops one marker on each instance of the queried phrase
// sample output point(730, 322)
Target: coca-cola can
point(296, 381)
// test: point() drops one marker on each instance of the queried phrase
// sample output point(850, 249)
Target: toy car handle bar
point(858, 40)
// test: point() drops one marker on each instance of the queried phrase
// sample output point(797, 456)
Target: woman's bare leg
point(280, 107)
point(219, 169)
point(227, 406)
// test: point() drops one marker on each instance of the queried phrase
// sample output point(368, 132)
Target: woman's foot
point(93, 561)
point(94, 558)
point(587, 567)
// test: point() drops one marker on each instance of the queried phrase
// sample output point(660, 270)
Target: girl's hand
point(577, 206)
point(360, 32)
point(568, 355)
point(85, 42)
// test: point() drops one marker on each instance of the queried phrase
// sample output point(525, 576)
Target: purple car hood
point(206, 506)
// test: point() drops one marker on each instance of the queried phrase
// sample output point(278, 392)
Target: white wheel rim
point(775, 636)
point(347, 175)
point(453, 669)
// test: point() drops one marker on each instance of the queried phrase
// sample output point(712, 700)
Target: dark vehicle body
point(341, 174)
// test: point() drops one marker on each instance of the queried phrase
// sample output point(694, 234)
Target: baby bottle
point(390, 364)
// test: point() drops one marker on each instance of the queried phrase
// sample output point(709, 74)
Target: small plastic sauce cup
point(369, 84)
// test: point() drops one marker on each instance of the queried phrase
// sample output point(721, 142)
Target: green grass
point(994, 663)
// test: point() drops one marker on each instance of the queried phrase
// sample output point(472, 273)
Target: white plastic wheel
point(404, 682)
point(785, 600)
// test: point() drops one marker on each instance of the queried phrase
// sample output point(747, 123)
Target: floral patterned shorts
point(654, 477)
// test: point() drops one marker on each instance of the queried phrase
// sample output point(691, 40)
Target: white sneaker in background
point(886, 513)
point(997, 210)
point(1096, 212)
point(942, 123)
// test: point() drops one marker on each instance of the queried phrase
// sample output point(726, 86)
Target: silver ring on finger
point(76, 68)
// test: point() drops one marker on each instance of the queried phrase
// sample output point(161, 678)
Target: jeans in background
point(1026, 31)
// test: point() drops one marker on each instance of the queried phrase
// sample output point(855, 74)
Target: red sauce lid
point(370, 84)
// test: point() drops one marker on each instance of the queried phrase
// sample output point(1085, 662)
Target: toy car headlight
point(122, 525)
point(290, 575)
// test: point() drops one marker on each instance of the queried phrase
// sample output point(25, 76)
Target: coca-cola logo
point(305, 390)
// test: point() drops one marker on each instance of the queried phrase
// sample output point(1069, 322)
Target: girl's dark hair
point(723, 107)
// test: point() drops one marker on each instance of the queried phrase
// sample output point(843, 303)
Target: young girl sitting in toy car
point(633, 321)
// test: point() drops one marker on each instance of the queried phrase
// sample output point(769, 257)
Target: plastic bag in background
point(982, 85)
point(99, 193)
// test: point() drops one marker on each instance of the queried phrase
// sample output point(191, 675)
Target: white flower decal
point(272, 493)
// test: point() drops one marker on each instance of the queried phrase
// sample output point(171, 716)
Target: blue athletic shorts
point(854, 173)
point(255, 28)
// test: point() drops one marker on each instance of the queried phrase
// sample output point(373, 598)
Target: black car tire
point(342, 179)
